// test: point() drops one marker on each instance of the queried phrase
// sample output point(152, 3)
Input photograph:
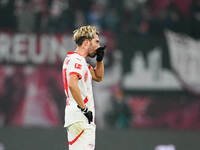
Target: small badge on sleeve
point(78, 66)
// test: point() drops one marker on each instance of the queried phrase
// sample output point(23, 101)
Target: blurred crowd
point(135, 16)
point(123, 21)
point(129, 26)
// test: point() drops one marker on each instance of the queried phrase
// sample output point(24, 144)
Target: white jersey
point(76, 64)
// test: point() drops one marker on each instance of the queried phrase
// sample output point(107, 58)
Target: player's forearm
point(75, 91)
point(99, 70)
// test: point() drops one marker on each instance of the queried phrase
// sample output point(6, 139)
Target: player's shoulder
point(73, 56)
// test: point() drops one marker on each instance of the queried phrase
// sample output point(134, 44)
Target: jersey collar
point(69, 53)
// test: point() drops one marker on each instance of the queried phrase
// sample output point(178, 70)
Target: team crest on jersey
point(78, 66)
point(86, 76)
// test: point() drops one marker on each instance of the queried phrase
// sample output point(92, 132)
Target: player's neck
point(81, 51)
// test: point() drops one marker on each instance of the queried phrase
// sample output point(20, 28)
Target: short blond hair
point(84, 32)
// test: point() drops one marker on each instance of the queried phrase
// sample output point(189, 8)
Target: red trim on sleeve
point(76, 73)
point(65, 81)
point(89, 67)
point(85, 100)
point(74, 140)
point(66, 85)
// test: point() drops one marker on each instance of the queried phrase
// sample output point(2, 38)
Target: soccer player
point(77, 77)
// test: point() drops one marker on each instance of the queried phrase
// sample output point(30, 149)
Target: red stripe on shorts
point(74, 140)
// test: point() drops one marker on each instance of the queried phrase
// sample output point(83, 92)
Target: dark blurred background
point(150, 96)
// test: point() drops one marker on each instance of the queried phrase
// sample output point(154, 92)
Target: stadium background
point(150, 96)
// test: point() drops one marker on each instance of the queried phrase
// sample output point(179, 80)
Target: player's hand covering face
point(100, 53)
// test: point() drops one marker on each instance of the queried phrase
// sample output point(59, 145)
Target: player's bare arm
point(98, 72)
point(75, 91)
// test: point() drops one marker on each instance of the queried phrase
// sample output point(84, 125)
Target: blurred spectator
point(25, 16)
point(125, 40)
point(61, 17)
point(95, 15)
point(80, 19)
point(40, 13)
point(119, 114)
point(57, 95)
point(117, 4)
point(195, 18)
point(6, 100)
point(7, 16)
point(83, 6)
point(111, 20)
point(11, 99)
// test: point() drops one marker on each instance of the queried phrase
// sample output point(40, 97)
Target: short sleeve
point(76, 67)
